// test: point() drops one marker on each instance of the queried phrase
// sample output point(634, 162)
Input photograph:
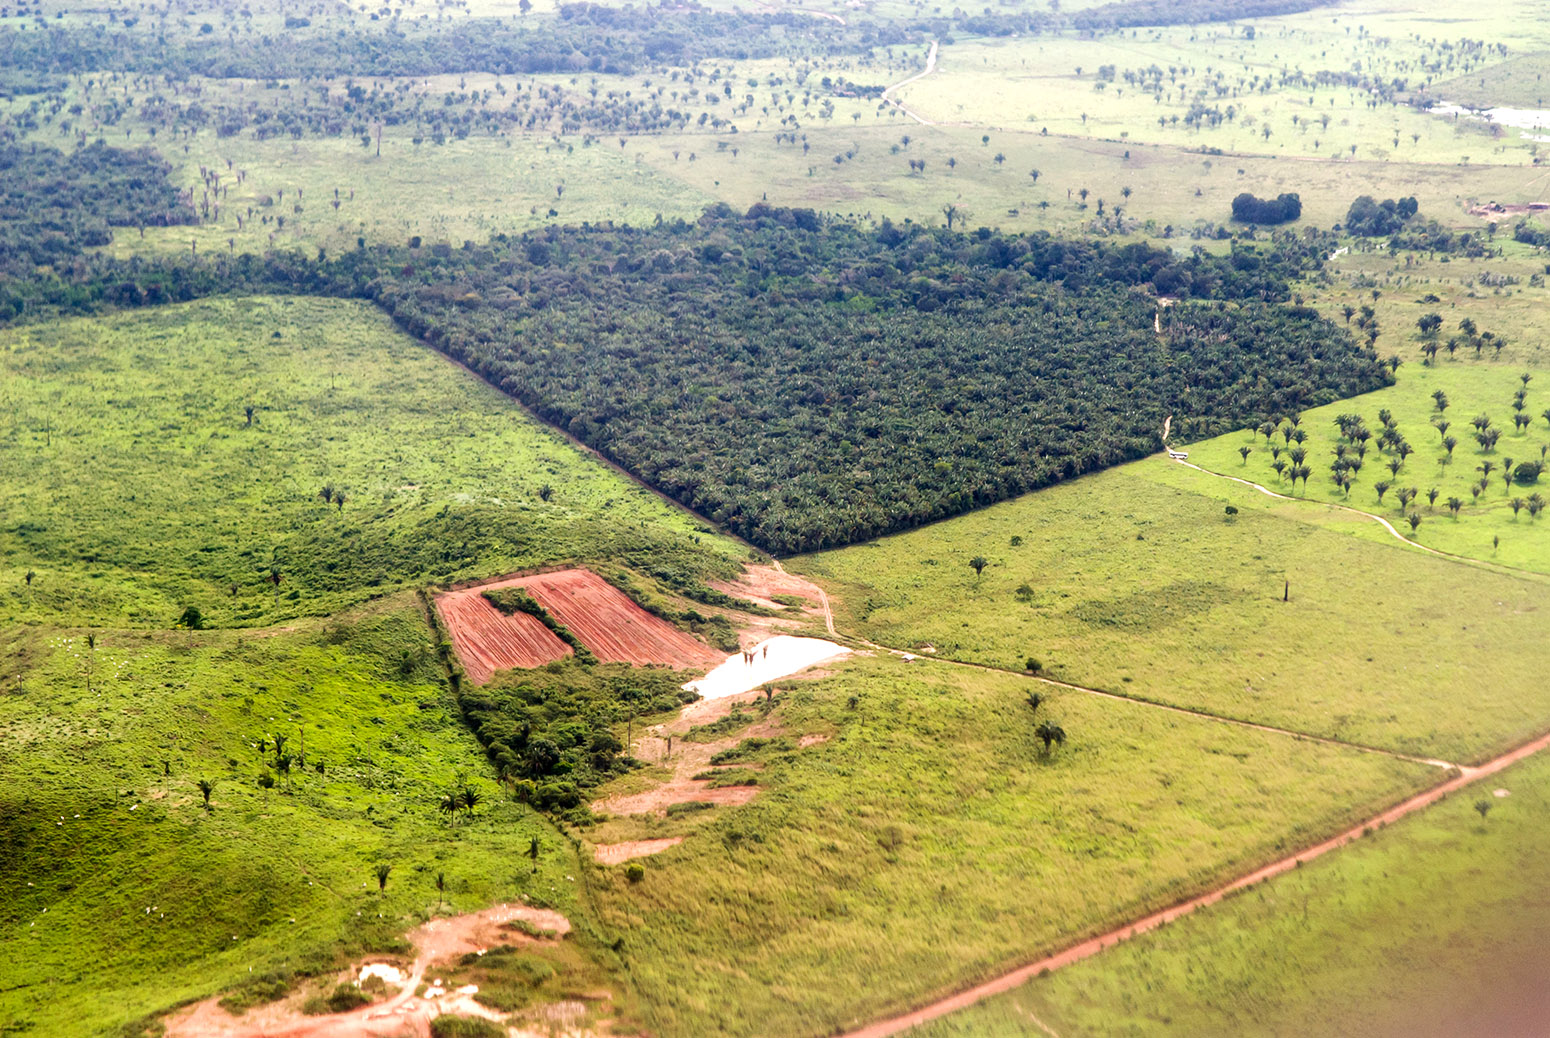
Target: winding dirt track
point(1401, 538)
point(930, 68)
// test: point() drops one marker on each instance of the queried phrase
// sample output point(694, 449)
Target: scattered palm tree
point(382, 872)
point(979, 562)
point(206, 787)
point(1050, 734)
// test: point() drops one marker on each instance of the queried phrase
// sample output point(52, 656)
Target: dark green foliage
point(342, 999)
point(584, 38)
point(688, 807)
point(1370, 218)
point(54, 204)
point(465, 1027)
point(1246, 208)
point(751, 749)
point(811, 383)
point(553, 733)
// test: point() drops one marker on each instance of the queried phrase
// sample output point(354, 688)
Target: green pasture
point(127, 896)
point(930, 843)
point(1486, 527)
point(133, 486)
point(1137, 581)
point(1431, 926)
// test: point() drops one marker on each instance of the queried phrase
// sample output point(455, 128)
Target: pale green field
point(132, 485)
point(1136, 581)
point(929, 843)
point(1432, 927)
point(1486, 527)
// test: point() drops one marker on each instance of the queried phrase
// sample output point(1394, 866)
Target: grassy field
point(1430, 927)
point(127, 895)
point(929, 842)
point(1486, 527)
point(133, 486)
point(1135, 580)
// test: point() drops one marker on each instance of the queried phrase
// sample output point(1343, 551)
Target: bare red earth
point(613, 627)
point(487, 640)
point(607, 622)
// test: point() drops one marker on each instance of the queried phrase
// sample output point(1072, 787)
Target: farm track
point(1495, 567)
point(930, 68)
point(1093, 945)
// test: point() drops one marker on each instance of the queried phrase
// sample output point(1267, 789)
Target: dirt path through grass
point(1094, 945)
point(1409, 542)
point(930, 68)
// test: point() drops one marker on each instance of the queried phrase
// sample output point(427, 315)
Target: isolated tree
point(468, 799)
point(1244, 453)
point(1454, 504)
point(1483, 807)
point(448, 805)
point(1415, 521)
point(1050, 734)
point(954, 213)
point(532, 852)
point(1382, 487)
point(206, 787)
point(1431, 497)
point(382, 872)
point(978, 564)
point(441, 888)
point(1035, 700)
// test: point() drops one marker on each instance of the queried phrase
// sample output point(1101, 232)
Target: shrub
point(634, 872)
point(344, 998)
point(1247, 208)
point(687, 807)
point(465, 1027)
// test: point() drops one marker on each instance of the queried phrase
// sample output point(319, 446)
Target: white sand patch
point(779, 657)
point(391, 974)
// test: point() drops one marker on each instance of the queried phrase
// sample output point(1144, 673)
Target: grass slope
point(127, 896)
point(1431, 927)
point(1486, 527)
point(928, 843)
point(132, 484)
point(1146, 588)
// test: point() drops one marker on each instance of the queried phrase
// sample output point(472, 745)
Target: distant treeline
point(584, 38)
point(811, 382)
point(55, 204)
point(1137, 13)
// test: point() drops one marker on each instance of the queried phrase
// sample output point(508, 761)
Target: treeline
point(1137, 13)
point(810, 382)
point(54, 205)
point(584, 38)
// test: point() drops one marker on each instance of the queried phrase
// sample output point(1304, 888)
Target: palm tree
point(449, 805)
point(979, 562)
point(1035, 700)
point(382, 872)
point(1454, 504)
point(1244, 453)
point(1415, 521)
point(532, 853)
point(1050, 734)
point(441, 888)
point(206, 787)
point(468, 799)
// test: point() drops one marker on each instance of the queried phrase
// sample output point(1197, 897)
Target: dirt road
point(930, 68)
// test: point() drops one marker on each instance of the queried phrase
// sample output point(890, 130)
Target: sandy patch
point(617, 853)
point(770, 660)
point(404, 1015)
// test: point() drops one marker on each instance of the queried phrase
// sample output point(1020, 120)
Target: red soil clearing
point(607, 622)
point(613, 627)
point(487, 640)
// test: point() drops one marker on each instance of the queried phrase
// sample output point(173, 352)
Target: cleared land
point(1429, 927)
point(133, 483)
point(923, 844)
point(614, 628)
point(487, 640)
point(1135, 581)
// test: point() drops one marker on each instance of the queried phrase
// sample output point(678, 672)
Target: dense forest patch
point(807, 381)
point(584, 38)
point(811, 383)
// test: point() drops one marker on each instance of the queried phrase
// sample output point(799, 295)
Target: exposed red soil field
point(613, 627)
point(603, 617)
point(487, 640)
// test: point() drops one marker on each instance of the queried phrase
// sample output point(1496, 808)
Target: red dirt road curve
point(602, 617)
point(1020, 976)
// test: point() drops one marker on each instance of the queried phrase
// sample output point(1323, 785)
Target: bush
point(634, 872)
point(687, 807)
point(465, 1027)
point(1247, 208)
point(344, 998)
